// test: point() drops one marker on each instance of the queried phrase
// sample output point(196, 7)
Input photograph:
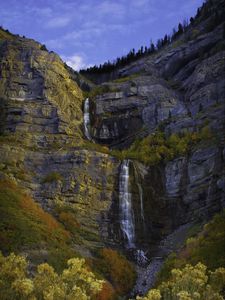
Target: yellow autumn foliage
point(75, 282)
point(190, 283)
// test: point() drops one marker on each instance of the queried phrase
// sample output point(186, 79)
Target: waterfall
point(125, 204)
point(87, 119)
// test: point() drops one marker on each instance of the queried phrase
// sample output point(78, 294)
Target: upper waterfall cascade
point(125, 204)
point(87, 119)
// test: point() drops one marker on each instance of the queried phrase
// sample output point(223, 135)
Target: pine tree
point(180, 29)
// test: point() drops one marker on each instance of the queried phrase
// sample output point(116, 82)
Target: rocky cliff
point(42, 143)
point(178, 91)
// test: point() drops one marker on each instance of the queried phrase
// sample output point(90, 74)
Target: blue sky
point(90, 32)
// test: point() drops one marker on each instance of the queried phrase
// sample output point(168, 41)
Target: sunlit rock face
point(37, 92)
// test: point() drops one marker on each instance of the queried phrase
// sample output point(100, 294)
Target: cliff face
point(178, 83)
point(42, 145)
point(38, 85)
point(177, 90)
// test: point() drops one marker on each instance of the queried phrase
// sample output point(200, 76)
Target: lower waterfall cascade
point(125, 206)
point(126, 212)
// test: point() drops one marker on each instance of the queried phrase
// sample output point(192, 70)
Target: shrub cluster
point(95, 147)
point(207, 246)
point(116, 269)
point(25, 225)
point(51, 177)
point(190, 283)
point(75, 282)
point(157, 148)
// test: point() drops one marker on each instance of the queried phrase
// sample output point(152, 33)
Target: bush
point(75, 282)
point(43, 48)
point(117, 269)
point(190, 283)
point(107, 292)
point(95, 147)
point(96, 91)
point(51, 177)
point(157, 148)
point(25, 225)
point(69, 220)
point(207, 246)
point(127, 78)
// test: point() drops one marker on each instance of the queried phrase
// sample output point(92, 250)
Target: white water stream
point(125, 203)
point(87, 119)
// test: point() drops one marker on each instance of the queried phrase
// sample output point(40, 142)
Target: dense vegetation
point(198, 270)
point(115, 268)
point(157, 148)
point(75, 282)
point(51, 177)
point(98, 90)
point(25, 225)
point(207, 246)
point(207, 10)
point(196, 273)
point(190, 283)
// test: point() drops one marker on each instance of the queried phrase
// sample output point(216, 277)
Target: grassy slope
point(24, 226)
point(6, 35)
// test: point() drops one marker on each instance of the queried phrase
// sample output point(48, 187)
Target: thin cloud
point(55, 44)
point(58, 22)
point(84, 33)
point(76, 62)
point(41, 12)
point(117, 10)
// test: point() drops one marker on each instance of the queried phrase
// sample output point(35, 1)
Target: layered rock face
point(37, 93)
point(174, 86)
point(140, 105)
point(177, 90)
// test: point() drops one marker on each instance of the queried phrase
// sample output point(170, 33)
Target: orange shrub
point(107, 292)
point(69, 220)
point(118, 270)
point(34, 210)
point(23, 221)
